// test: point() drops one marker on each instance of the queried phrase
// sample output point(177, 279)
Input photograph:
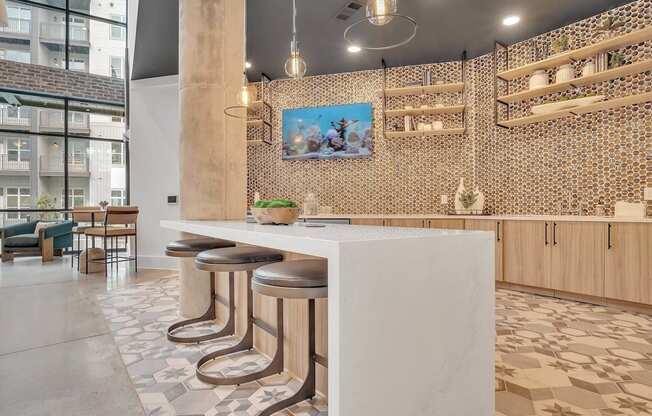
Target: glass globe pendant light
point(295, 65)
point(243, 97)
point(381, 12)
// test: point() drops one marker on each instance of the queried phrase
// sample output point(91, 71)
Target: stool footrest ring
point(209, 315)
point(246, 344)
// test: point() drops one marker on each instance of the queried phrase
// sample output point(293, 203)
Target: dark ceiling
point(445, 29)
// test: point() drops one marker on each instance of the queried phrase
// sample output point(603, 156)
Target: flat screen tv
point(331, 132)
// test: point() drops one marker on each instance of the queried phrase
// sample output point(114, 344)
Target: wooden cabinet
point(577, 258)
point(628, 263)
point(445, 224)
point(496, 228)
point(526, 253)
point(412, 223)
point(367, 221)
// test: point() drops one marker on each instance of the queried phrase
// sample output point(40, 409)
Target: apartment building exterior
point(32, 141)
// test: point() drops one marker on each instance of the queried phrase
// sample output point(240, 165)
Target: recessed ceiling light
point(354, 49)
point(511, 20)
point(247, 64)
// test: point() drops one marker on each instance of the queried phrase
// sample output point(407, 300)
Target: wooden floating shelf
point(428, 89)
point(608, 75)
point(256, 142)
point(430, 110)
point(585, 52)
point(591, 108)
point(423, 133)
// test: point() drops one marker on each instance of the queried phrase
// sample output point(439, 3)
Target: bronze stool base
point(247, 344)
point(209, 315)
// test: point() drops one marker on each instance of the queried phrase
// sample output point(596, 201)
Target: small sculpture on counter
point(468, 201)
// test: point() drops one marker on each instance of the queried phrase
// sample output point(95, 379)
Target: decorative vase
point(589, 69)
point(459, 208)
point(539, 79)
point(564, 73)
point(601, 62)
point(478, 207)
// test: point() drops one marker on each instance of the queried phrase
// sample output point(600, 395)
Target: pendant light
point(381, 12)
point(295, 65)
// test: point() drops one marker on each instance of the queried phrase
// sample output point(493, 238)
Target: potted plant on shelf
point(278, 211)
point(561, 44)
point(103, 205)
point(608, 29)
point(616, 59)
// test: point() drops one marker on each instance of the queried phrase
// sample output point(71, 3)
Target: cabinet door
point(412, 223)
point(446, 224)
point(628, 265)
point(578, 256)
point(495, 227)
point(526, 253)
point(367, 221)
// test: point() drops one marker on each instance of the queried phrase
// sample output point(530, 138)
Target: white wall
point(154, 149)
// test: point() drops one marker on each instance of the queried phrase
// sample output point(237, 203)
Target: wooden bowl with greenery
point(277, 211)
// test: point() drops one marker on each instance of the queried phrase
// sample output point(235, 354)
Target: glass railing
point(51, 119)
point(55, 164)
point(57, 31)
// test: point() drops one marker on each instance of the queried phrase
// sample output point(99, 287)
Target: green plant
point(275, 203)
point(47, 201)
point(609, 26)
point(560, 44)
point(468, 198)
point(616, 59)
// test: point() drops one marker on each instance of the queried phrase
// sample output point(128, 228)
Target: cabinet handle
point(545, 234)
point(554, 233)
point(498, 231)
point(609, 236)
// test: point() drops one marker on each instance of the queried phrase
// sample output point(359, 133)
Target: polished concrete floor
point(57, 356)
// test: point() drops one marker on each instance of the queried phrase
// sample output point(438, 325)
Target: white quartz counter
point(411, 322)
point(558, 218)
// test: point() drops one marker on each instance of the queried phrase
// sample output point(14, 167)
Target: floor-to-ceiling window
point(58, 152)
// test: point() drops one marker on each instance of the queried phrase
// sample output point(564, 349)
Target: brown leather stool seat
point(303, 279)
point(238, 255)
point(191, 247)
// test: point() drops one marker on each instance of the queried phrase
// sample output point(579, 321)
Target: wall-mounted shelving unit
point(563, 58)
point(430, 109)
point(263, 111)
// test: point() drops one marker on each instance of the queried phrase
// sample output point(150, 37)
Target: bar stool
point(191, 248)
point(298, 279)
point(245, 259)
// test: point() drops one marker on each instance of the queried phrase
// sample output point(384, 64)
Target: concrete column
point(212, 150)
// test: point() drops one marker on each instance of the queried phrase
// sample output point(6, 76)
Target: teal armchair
point(47, 242)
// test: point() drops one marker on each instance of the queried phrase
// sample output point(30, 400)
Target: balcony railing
point(21, 26)
point(57, 31)
point(7, 164)
point(49, 119)
point(55, 165)
point(12, 121)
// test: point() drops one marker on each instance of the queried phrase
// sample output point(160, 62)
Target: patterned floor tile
point(553, 358)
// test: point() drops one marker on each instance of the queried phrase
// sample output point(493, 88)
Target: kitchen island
point(411, 325)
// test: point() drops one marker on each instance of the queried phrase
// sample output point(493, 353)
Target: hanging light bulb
point(244, 98)
point(295, 65)
point(380, 12)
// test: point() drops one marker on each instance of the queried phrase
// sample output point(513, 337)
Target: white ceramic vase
point(538, 79)
point(589, 69)
point(478, 206)
point(564, 73)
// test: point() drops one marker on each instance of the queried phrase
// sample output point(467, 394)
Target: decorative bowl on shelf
point(566, 104)
point(275, 212)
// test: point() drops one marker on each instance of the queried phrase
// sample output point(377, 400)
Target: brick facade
point(39, 78)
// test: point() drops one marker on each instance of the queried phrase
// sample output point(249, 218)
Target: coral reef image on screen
point(339, 131)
